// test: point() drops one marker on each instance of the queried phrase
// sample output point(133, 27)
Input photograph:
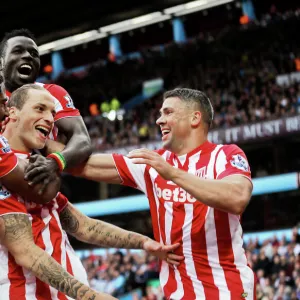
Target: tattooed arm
point(16, 236)
point(104, 234)
point(98, 232)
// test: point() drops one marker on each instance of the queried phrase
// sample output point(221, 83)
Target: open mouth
point(165, 133)
point(43, 130)
point(25, 70)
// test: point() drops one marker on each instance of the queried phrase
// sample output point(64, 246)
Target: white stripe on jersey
point(187, 251)
point(211, 238)
point(164, 271)
point(137, 172)
point(30, 285)
point(213, 256)
point(4, 270)
point(63, 258)
point(221, 163)
point(168, 229)
point(192, 162)
point(240, 260)
point(48, 243)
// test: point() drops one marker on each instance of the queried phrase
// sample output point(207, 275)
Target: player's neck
point(190, 144)
point(14, 140)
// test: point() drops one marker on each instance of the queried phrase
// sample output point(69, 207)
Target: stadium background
point(244, 54)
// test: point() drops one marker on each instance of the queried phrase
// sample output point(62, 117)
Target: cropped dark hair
point(11, 34)
point(191, 96)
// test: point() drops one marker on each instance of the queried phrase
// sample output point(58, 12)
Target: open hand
point(163, 252)
point(153, 159)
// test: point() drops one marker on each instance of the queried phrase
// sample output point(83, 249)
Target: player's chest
point(167, 190)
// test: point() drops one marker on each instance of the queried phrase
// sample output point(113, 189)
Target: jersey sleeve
point(9, 204)
point(8, 160)
point(131, 174)
point(64, 105)
point(232, 160)
point(62, 202)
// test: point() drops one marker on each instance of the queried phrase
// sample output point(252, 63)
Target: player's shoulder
point(53, 88)
point(160, 151)
point(231, 148)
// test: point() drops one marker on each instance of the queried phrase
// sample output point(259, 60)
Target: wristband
point(59, 158)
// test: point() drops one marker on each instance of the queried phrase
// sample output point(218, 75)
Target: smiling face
point(176, 123)
point(34, 121)
point(21, 62)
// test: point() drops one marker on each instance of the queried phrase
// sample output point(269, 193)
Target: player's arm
point(14, 182)
point(103, 234)
point(230, 192)
point(78, 144)
point(99, 167)
point(16, 236)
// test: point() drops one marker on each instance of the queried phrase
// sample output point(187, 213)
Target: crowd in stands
point(275, 261)
point(238, 76)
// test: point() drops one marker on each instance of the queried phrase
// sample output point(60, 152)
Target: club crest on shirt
point(201, 172)
point(239, 162)
point(70, 103)
point(4, 194)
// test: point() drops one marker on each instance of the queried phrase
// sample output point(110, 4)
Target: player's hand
point(41, 170)
point(163, 252)
point(153, 159)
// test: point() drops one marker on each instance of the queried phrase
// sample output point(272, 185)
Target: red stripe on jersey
point(152, 204)
point(56, 240)
point(177, 225)
point(171, 284)
point(123, 170)
point(42, 289)
point(203, 269)
point(17, 280)
point(226, 256)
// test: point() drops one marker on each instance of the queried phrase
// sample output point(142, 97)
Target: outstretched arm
point(16, 236)
point(99, 167)
point(107, 235)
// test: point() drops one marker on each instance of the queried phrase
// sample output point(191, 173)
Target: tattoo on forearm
point(17, 229)
point(83, 292)
point(16, 226)
point(108, 235)
point(69, 221)
point(52, 273)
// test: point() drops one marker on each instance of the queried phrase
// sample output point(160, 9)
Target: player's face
point(175, 123)
point(21, 61)
point(35, 119)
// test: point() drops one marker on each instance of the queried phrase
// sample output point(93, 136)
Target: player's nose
point(160, 120)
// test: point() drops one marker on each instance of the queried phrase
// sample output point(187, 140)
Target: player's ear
point(13, 113)
point(196, 118)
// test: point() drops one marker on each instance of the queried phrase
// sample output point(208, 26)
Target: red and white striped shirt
point(215, 265)
point(64, 105)
point(19, 283)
